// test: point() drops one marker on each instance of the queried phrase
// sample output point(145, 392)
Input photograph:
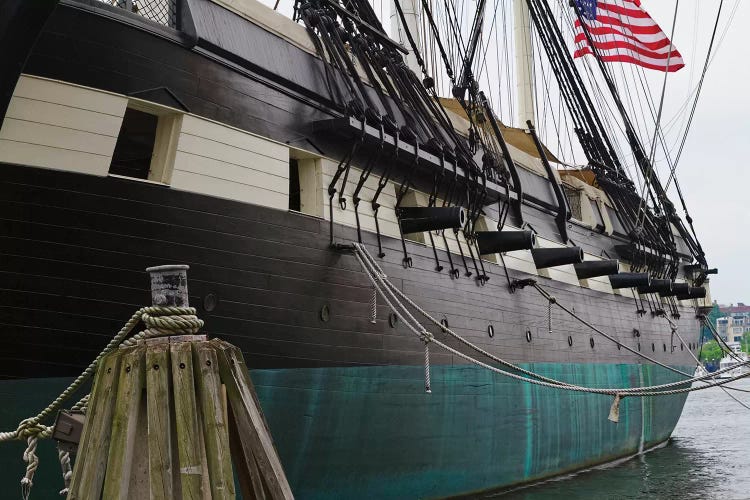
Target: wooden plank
point(234, 155)
point(70, 95)
point(311, 186)
point(61, 115)
point(55, 158)
point(165, 148)
point(253, 431)
point(205, 477)
point(158, 395)
point(227, 153)
point(139, 485)
point(57, 137)
point(245, 174)
point(215, 431)
point(235, 137)
point(246, 467)
point(186, 421)
point(125, 423)
point(90, 467)
point(199, 183)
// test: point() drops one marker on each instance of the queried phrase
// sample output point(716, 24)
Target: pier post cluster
point(175, 417)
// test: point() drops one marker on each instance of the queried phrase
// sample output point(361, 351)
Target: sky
point(712, 172)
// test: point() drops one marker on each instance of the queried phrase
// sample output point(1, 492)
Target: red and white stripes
point(624, 32)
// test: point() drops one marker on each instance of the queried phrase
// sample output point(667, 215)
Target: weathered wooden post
point(162, 413)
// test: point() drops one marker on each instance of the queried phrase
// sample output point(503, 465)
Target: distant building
point(733, 323)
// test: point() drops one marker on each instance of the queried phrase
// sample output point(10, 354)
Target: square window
point(135, 145)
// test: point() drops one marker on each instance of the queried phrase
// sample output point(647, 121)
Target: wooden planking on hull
point(265, 299)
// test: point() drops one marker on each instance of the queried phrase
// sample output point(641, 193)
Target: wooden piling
point(90, 467)
point(174, 418)
point(124, 424)
point(216, 431)
point(159, 432)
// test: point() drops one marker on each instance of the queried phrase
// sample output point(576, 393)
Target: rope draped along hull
point(344, 398)
point(344, 395)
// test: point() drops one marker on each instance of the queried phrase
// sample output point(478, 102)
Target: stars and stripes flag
point(621, 31)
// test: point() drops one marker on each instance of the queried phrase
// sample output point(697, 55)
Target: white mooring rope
point(67, 470)
point(393, 296)
point(374, 307)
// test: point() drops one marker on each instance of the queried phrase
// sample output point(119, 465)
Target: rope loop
point(426, 337)
point(170, 325)
point(427, 381)
point(374, 307)
point(32, 462)
point(67, 470)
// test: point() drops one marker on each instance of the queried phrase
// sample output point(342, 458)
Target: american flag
point(623, 32)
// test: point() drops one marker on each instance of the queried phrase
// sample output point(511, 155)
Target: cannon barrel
point(504, 241)
point(629, 280)
point(418, 219)
point(677, 289)
point(694, 268)
point(594, 268)
point(693, 293)
point(657, 286)
point(553, 257)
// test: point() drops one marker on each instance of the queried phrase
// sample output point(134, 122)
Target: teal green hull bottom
point(373, 432)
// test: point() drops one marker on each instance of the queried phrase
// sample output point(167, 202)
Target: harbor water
point(707, 458)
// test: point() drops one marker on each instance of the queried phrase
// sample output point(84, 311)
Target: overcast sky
point(714, 169)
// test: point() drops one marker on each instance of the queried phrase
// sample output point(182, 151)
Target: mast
point(524, 62)
point(412, 16)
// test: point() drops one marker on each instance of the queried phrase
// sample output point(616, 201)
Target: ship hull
point(372, 432)
point(344, 397)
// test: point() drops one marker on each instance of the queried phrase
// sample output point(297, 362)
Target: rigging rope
point(661, 103)
point(699, 364)
point(698, 91)
point(393, 296)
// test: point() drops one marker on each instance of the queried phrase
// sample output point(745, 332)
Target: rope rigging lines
point(646, 228)
point(457, 38)
point(409, 109)
point(349, 37)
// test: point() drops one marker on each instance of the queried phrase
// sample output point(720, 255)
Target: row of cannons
point(419, 219)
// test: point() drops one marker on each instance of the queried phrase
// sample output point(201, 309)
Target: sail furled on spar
point(622, 31)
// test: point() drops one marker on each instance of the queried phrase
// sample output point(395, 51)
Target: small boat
point(734, 359)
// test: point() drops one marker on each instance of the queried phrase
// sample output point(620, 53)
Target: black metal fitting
point(342, 247)
point(521, 284)
point(68, 429)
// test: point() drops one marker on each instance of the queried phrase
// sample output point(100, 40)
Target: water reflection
point(708, 458)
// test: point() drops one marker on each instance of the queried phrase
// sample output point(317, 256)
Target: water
point(707, 458)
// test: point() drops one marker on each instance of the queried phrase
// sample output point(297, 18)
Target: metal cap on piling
point(169, 285)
